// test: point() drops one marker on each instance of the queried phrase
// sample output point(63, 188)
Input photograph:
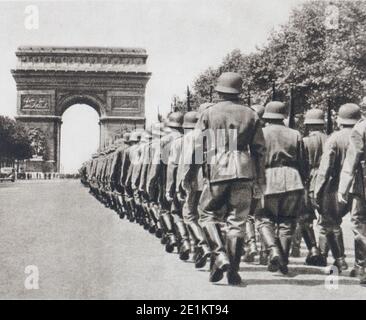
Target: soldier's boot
point(168, 226)
point(263, 257)
point(114, 202)
point(128, 210)
point(344, 264)
point(334, 241)
point(358, 270)
point(323, 247)
point(251, 245)
point(363, 279)
point(234, 246)
point(275, 256)
point(137, 213)
point(145, 218)
point(185, 246)
point(313, 258)
point(154, 210)
point(202, 251)
point(296, 242)
point(284, 243)
point(219, 261)
point(263, 253)
point(150, 218)
point(132, 206)
point(121, 211)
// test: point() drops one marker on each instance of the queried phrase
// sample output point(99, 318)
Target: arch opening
point(80, 136)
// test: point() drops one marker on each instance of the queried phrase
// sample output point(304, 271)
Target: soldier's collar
point(233, 99)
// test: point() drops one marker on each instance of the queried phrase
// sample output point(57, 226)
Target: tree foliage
point(14, 140)
point(320, 52)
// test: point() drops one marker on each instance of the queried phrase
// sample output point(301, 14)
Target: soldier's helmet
point(259, 109)
point(190, 120)
point(349, 114)
point(146, 136)
point(229, 82)
point(314, 116)
point(157, 129)
point(126, 137)
point(205, 106)
point(175, 120)
point(135, 136)
point(275, 110)
point(119, 142)
point(111, 149)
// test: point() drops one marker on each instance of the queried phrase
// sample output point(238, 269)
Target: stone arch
point(88, 99)
point(51, 79)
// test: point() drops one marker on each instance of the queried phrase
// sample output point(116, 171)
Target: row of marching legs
point(209, 243)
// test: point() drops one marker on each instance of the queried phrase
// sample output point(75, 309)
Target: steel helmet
point(126, 136)
point(146, 136)
point(275, 110)
point(229, 82)
point(157, 129)
point(135, 136)
point(349, 114)
point(190, 119)
point(259, 109)
point(314, 116)
point(175, 119)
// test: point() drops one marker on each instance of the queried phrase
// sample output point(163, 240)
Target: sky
point(182, 38)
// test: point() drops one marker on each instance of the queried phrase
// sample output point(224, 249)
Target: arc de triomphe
point(51, 79)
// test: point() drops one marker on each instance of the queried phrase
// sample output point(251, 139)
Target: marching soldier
point(233, 166)
point(313, 147)
point(250, 246)
point(116, 174)
point(284, 193)
point(176, 148)
point(351, 193)
point(137, 164)
point(151, 199)
point(189, 188)
point(127, 167)
point(326, 187)
point(156, 182)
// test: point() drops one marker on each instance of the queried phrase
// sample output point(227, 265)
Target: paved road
point(84, 251)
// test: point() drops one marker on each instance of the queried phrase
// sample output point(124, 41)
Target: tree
point(14, 140)
point(324, 64)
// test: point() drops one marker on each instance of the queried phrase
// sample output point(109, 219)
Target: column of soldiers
point(218, 183)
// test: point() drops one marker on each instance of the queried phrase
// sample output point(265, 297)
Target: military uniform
point(176, 207)
point(189, 183)
point(231, 172)
point(129, 159)
point(351, 187)
point(331, 213)
point(284, 193)
point(157, 178)
point(313, 149)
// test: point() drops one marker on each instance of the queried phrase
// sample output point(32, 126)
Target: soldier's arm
point(257, 149)
point(354, 155)
point(173, 161)
point(302, 160)
point(125, 167)
point(326, 167)
point(306, 163)
point(155, 169)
